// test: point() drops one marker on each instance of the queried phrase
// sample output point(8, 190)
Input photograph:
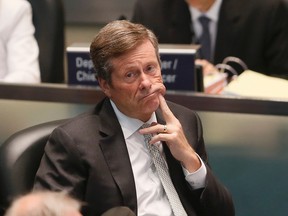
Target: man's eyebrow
point(129, 66)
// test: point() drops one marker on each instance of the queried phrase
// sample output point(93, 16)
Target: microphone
point(119, 211)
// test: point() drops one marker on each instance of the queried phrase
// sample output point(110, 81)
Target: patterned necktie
point(205, 39)
point(164, 176)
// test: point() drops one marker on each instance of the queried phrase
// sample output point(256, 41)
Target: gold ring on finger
point(165, 128)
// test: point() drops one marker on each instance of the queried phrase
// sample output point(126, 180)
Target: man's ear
point(104, 85)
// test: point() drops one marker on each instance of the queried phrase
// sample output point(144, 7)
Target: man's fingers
point(167, 114)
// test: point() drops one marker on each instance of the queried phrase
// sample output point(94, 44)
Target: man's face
point(136, 82)
point(202, 5)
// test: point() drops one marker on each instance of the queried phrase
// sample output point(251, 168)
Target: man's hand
point(172, 133)
point(208, 68)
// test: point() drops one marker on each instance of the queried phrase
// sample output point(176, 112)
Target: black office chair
point(48, 19)
point(20, 157)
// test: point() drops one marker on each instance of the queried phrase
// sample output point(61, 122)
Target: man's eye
point(150, 68)
point(130, 74)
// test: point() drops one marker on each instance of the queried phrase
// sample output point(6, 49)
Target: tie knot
point(147, 136)
point(145, 125)
point(204, 20)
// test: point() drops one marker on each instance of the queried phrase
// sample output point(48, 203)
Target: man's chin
point(153, 104)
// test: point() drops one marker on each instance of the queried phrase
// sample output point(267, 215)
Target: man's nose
point(145, 81)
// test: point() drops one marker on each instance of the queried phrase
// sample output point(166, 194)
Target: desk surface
point(196, 101)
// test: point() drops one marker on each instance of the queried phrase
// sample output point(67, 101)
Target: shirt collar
point(130, 125)
point(212, 13)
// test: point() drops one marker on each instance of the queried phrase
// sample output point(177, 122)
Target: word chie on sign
point(177, 63)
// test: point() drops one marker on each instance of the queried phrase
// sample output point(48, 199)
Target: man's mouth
point(152, 94)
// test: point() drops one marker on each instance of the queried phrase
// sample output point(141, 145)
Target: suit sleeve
point(61, 167)
point(276, 43)
point(214, 199)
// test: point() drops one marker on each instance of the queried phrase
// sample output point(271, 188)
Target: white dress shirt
point(18, 47)
point(151, 198)
point(213, 14)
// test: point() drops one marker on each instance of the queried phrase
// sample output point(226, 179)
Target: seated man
point(134, 149)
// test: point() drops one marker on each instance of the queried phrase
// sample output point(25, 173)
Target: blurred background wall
point(85, 17)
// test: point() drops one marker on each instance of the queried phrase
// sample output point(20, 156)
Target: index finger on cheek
point(167, 114)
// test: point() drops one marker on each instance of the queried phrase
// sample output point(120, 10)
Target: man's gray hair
point(117, 38)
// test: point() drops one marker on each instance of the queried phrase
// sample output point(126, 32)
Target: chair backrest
point(48, 19)
point(20, 156)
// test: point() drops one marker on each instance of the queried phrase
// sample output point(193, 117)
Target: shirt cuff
point(196, 179)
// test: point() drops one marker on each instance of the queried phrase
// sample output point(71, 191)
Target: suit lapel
point(116, 155)
point(181, 29)
point(229, 19)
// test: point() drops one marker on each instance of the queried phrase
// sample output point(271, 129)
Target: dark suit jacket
point(254, 30)
point(88, 157)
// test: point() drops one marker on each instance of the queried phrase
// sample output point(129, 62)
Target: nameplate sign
point(177, 63)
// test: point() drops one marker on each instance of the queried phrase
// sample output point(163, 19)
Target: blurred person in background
point(255, 31)
point(45, 203)
point(19, 50)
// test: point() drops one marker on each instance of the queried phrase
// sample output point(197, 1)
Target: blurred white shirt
point(19, 50)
